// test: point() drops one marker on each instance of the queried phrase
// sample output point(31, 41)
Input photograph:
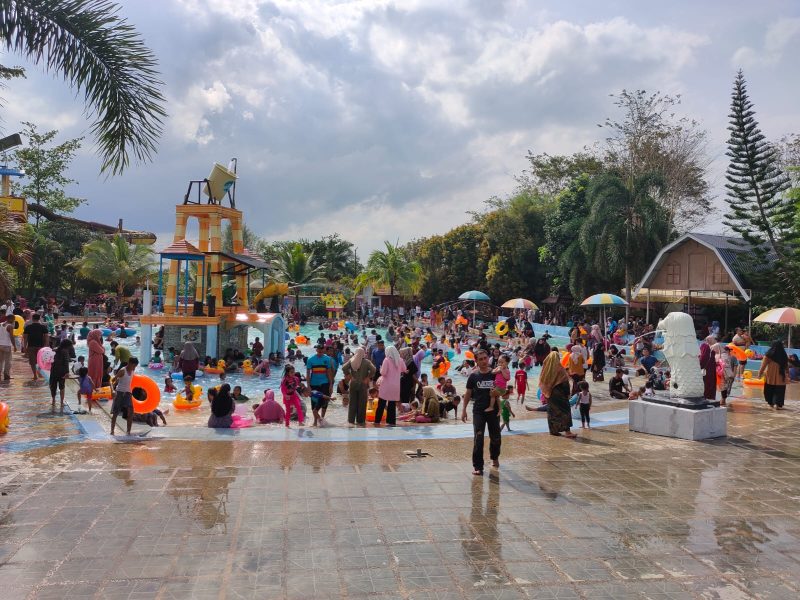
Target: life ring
point(44, 358)
point(469, 355)
point(370, 411)
point(747, 375)
point(248, 370)
point(565, 359)
point(294, 328)
point(301, 339)
point(180, 402)
point(214, 370)
point(4, 420)
point(444, 368)
point(350, 326)
point(334, 326)
point(501, 328)
point(103, 393)
point(19, 325)
point(155, 366)
point(152, 394)
point(240, 422)
point(460, 320)
point(738, 352)
point(753, 382)
point(247, 364)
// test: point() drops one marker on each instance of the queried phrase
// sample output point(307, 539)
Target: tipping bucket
point(219, 182)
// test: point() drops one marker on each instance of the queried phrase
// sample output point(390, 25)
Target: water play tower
point(211, 320)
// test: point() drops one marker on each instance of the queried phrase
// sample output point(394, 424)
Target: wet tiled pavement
point(613, 514)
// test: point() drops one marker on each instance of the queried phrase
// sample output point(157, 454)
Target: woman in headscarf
point(392, 369)
point(540, 351)
point(189, 360)
point(708, 363)
point(222, 407)
point(775, 371)
point(598, 362)
point(554, 383)
point(360, 370)
point(596, 337)
point(96, 354)
point(408, 380)
point(430, 406)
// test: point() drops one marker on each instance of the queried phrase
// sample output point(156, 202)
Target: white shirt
point(5, 337)
point(124, 381)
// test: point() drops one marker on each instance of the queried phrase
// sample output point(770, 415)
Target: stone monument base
point(677, 422)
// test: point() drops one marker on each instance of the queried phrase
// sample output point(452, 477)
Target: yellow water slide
point(272, 289)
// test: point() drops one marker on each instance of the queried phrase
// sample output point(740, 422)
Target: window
point(720, 276)
point(674, 273)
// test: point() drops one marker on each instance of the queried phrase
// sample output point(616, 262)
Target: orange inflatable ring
point(3, 417)
point(444, 368)
point(371, 411)
point(180, 402)
point(469, 355)
point(565, 359)
point(103, 393)
point(301, 339)
point(753, 382)
point(150, 388)
point(737, 351)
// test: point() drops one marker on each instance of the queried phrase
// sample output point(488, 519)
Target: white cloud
point(777, 40)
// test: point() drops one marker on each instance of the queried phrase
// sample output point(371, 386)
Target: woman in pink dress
point(94, 341)
point(389, 391)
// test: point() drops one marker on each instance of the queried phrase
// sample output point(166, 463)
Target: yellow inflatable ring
point(247, 364)
point(213, 370)
point(103, 393)
point(19, 325)
point(180, 402)
point(747, 375)
point(248, 370)
point(501, 328)
point(753, 382)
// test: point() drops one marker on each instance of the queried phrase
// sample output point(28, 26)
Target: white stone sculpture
point(681, 351)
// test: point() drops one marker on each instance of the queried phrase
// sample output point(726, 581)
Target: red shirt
point(521, 377)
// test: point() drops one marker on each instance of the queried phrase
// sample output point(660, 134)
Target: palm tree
point(625, 226)
point(294, 267)
point(14, 245)
point(392, 268)
point(114, 262)
point(101, 55)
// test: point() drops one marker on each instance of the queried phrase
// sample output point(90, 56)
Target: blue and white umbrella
point(474, 295)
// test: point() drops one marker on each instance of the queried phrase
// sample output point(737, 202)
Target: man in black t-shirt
point(35, 337)
point(479, 387)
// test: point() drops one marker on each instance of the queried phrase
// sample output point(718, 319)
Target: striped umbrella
point(784, 316)
point(474, 295)
point(604, 300)
point(520, 303)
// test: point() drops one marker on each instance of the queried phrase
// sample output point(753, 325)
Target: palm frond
point(100, 53)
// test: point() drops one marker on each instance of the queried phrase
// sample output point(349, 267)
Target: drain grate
point(418, 453)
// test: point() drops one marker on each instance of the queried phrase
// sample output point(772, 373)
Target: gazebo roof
point(181, 250)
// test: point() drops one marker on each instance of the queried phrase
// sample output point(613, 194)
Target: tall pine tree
point(758, 209)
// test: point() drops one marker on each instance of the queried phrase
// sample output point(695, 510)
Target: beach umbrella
point(474, 295)
point(520, 303)
point(604, 300)
point(782, 316)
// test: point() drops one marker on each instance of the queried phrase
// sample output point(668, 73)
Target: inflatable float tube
point(152, 394)
point(103, 393)
point(301, 339)
point(180, 402)
point(753, 382)
point(501, 328)
point(4, 420)
point(155, 366)
point(240, 422)
point(738, 352)
point(565, 359)
point(469, 355)
point(19, 325)
point(220, 368)
point(350, 326)
point(44, 358)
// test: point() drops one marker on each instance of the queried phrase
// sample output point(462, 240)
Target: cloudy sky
point(382, 119)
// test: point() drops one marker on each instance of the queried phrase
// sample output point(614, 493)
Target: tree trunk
point(120, 292)
point(391, 300)
point(627, 295)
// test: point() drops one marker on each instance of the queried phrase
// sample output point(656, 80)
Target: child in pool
point(188, 391)
point(501, 378)
point(169, 386)
point(85, 386)
point(289, 386)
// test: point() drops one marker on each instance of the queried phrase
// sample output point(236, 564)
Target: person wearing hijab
point(189, 360)
point(96, 355)
point(775, 371)
point(430, 406)
point(409, 379)
point(598, 362)
point(59, 371)
point(540, 351)
point(554, 383)
point(392, 370)
point(360, 370)
point(708, 363)
point(222, 407)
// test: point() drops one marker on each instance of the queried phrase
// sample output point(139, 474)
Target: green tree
point(295, 267)
point(115, 263)
point(625, 227)
point(249, 239)
point(392, 268)
point(758, 210)
point(44, 165)
point(551, 174)
point(14, 250)
point(336, 254)
point(101, 55)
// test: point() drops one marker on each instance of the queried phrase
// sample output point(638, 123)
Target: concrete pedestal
point(676, 422)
